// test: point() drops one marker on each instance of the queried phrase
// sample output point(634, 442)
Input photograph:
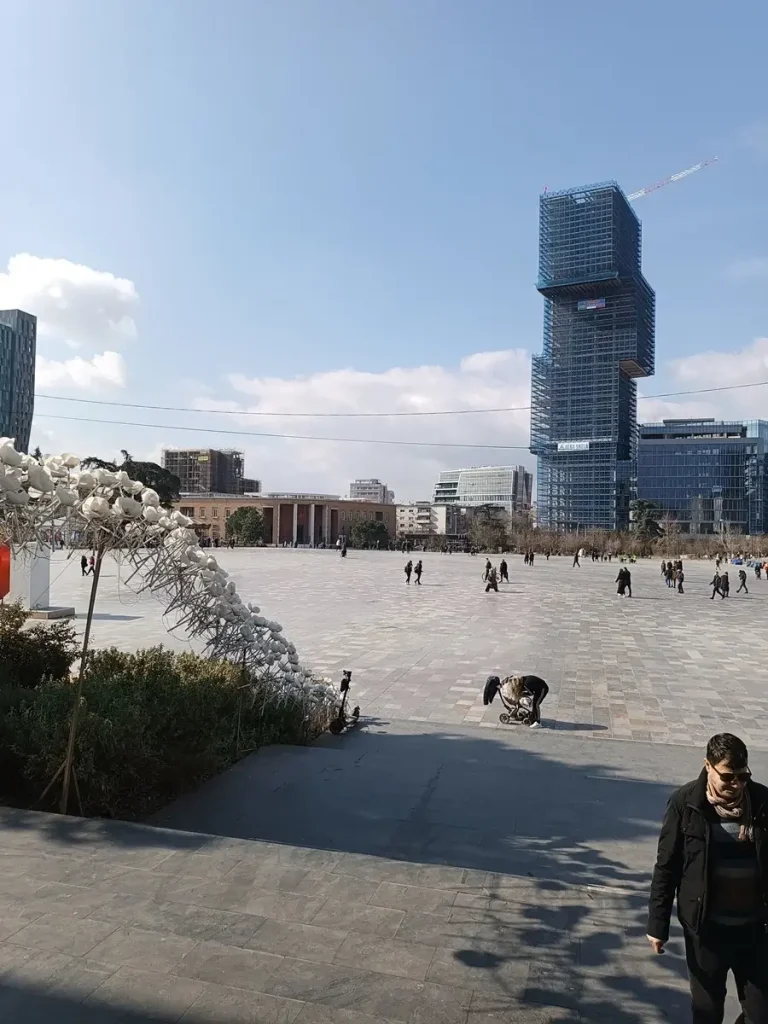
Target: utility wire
point(292, 437)
point(364, 415)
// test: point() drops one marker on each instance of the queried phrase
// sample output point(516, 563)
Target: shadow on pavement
point(555, 859)
point(38, 1007)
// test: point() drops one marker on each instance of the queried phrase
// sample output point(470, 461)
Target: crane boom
point(672, 178)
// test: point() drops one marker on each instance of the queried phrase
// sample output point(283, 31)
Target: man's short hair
point(725, 747)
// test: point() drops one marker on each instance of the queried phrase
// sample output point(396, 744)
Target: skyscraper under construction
point(599, 336)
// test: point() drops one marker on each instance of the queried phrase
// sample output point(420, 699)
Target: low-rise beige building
point(305, 519)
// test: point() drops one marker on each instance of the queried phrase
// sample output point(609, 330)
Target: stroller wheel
point(336, 726)
point(505, 719)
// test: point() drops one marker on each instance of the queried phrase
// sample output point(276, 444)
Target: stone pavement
point(662, 666)
point(402, 872)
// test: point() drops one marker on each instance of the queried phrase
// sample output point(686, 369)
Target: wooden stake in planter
point(67, 767)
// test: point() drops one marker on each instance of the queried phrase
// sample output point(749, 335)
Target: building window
point(187, 510)
point(227, 513)
point(215, 513)
point(202, 513)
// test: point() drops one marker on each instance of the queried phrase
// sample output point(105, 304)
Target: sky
point(331, 206)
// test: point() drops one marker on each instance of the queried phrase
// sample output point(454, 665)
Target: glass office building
point(599, 335)
point(507, 486)
point(18, 340)
point(709, 476)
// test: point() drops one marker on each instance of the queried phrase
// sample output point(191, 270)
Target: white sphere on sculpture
point(151, 514)
point(95, 507)
point(8, 454)
point(104, 478)
point(69, 460)
point(127, 507)
point(67, 497)
point(86, 481)
point(150, 497)
point(17, 497)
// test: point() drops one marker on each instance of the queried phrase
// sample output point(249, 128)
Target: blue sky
point(301, 187)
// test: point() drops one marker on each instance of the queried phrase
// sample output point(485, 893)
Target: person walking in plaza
point(503, 571)
point(418, 570)
point(493, 581)
point(531, 555)
point(725, 585)
point(680, 581)
point(758, 570)
point(83, 566)
point(91, 566)
point(525, 558)
point(408, 570)
point(713, 858)
point(624, 580)
point(742, 582)
point(715, 584)
point(663, 569)
point(576, 562)
point(488, 568)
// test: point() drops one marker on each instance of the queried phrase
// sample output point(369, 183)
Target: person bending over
point(515, 687)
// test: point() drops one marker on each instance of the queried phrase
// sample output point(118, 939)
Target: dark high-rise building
point(599, 335)
point(18, 340)
point(205, 470)
point(710, 477)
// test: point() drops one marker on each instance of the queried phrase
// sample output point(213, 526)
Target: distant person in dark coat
point(725, 585)
point(742, 582)
point(493, 581)
point(503, 571)
point(418, 570)
point(84, 566)
point(408, 570)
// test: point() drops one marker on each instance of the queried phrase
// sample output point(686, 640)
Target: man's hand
point(657, 945)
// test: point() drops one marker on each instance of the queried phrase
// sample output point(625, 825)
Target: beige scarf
point(733, 809)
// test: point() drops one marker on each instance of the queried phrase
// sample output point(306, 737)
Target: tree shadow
point(554, 869)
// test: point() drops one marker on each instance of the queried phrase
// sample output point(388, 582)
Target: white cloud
point(715, 370)
point(480, 381)
point(107, 368)
point(79, 308)
point(754, 269)
point(74, 304)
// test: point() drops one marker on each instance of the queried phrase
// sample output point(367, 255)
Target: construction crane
point(672, 178)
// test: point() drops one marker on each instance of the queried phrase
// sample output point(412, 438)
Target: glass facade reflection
point(18, 340)
point(709, 475)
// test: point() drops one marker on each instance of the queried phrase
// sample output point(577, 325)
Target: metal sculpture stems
point(70, 756)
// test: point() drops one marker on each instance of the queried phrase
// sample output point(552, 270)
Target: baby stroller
point(516, 711)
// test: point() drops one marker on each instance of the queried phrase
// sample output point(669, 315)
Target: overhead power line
point(368, 415)
point(291, 437)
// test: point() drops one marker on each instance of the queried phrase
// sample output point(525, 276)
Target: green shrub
point(152, 725)
point(27, 656)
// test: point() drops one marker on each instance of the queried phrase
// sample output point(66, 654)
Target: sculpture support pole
point(69, 759)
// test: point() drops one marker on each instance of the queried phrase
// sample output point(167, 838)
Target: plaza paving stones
point(660, 666)
point(429, 867)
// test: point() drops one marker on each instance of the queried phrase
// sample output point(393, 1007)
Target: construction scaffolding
point(599, 335)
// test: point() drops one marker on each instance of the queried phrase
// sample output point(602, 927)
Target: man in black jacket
point(713, 856)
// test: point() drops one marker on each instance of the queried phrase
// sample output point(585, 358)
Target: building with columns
point(305, 519)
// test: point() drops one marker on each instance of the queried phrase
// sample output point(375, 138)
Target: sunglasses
point(729, 777)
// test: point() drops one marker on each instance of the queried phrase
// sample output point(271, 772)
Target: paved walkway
point(400, 873)
point(662, 666)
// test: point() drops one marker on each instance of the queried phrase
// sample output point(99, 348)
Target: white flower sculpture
point(39, 497)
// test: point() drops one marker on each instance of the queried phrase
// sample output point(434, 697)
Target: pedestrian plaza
point(660, 666)
point(429, 867)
